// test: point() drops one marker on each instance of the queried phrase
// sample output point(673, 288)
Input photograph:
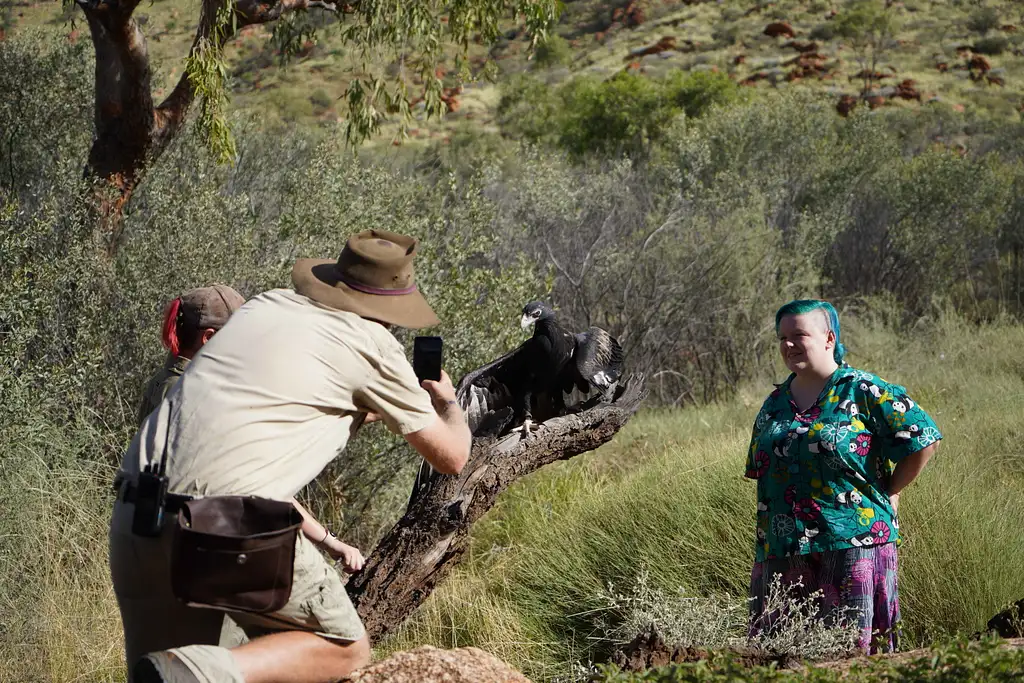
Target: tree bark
point(130, 131)
point(431, 537)
point(124, 103)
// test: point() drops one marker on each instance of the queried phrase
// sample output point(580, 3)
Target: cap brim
point(317, 279)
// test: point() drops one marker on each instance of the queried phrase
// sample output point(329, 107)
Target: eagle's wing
point(486, 397)
point(485, 394)
point(598, 359)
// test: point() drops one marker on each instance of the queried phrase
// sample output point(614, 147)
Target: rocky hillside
point(967, 55)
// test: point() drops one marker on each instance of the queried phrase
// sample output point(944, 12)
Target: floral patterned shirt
point(822, 475)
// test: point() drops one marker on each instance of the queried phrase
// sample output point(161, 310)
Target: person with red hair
point(268, 403)
point(189, 322)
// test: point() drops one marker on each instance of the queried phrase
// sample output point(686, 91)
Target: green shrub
point(731, 14)
point(529, 108)
point(823, 32)
point(920, 227)
point(983, 19)
point(288, 102)
point(697, 92)
point(992, 45)
point(555, 51)
point(725, 35)
point(625, 113)
point(630, 111)
point(46, 110)
point(321, 101)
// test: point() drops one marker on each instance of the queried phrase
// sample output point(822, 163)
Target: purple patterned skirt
point(859, 578)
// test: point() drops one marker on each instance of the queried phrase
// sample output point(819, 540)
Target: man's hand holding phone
point(442, 393)
point(445, 445)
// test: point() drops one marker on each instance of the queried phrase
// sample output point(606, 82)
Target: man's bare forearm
point(446, 445)
point(451, 414)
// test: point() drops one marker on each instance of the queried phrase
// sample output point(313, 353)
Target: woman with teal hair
point(832, 448)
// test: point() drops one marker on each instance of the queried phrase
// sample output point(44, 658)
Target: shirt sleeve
point(392, 391)
point(902, 425)
point(757, 459)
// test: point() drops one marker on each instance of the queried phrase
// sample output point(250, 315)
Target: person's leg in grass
point(284, 657)
point(152, 618)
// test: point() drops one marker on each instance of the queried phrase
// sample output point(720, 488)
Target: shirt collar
point(842, 371)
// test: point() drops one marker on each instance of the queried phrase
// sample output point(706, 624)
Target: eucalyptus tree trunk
point(131, 130)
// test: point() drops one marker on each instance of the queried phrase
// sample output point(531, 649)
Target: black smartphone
point(426, 358)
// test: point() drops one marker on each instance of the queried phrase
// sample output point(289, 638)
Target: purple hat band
point(367, 289)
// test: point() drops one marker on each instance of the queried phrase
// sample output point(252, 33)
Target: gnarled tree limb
point(429, 540)
point(130, 132)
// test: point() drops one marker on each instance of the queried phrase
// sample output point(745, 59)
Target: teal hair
point(802, 306)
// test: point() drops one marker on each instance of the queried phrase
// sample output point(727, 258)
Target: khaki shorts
point(154, 619)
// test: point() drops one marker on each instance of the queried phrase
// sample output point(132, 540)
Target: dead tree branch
point(431, 537)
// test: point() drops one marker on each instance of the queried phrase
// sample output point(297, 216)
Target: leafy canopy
point(399, 45)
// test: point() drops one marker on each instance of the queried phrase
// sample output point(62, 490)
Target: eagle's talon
point(527, 427)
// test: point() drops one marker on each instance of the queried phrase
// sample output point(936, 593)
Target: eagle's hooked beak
point(527, 322)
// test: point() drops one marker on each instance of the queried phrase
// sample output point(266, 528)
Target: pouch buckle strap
point(172, 503)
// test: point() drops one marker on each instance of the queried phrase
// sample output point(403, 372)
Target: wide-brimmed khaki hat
point(372, 278)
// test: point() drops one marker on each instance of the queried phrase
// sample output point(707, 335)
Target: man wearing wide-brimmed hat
point(272, 399)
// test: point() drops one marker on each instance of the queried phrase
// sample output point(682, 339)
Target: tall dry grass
point(668, 498)
point(58, 617)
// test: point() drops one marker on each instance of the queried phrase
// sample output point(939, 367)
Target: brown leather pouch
point(235, 553)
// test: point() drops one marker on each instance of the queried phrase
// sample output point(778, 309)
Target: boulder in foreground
point(431, 665)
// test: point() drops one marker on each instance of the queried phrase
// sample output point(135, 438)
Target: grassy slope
point(308, 89)
point(668, 496)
